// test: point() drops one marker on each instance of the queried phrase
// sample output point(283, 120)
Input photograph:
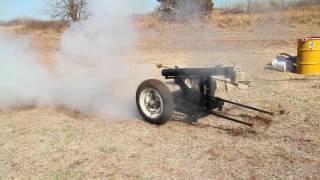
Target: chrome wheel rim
point(151, 103)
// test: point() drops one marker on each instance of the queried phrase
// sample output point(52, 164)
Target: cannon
point(195, 97)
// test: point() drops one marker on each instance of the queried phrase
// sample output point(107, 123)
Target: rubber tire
point(166, 96)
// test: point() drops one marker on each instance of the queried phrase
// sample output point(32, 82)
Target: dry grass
point(304, 15)
point(56, 26)
point(30, 25)
point(225, 20)
point(149, 21)
point(301, 15)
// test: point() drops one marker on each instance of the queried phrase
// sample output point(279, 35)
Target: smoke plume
point(23, 81)
point(92, 71)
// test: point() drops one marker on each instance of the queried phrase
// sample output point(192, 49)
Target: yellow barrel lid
point(310, 38)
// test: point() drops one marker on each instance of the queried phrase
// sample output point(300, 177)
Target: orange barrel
point(308, 61)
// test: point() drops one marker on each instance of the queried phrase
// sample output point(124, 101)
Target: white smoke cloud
point(92, 73)
point(95, 67)
point(21, 76)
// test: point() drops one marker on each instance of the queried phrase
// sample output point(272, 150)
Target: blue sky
point(10, 9)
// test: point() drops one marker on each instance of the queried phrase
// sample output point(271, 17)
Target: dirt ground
point(39, 143)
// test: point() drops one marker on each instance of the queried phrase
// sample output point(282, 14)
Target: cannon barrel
point(196, 72)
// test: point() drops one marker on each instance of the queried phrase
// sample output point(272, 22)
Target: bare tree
point(274, 4)
point(73, 10)
point(188, 6)
point(250, 6)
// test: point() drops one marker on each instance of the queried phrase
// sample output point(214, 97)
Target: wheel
point(155, 101)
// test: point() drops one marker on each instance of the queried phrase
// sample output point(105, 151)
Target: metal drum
point(309, 56)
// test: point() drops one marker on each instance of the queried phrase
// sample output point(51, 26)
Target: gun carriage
point(196, 97)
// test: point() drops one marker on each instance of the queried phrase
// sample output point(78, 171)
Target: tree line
point(75, 10)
